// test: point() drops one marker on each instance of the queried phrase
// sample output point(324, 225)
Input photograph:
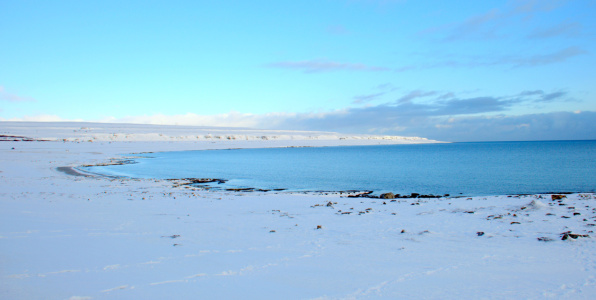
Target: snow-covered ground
point(75, 237)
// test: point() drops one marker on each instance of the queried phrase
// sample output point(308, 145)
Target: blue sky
point(465, 71)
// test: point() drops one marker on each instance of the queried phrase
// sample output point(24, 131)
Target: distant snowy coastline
point(96, 132)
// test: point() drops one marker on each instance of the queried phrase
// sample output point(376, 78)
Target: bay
point(471, 169)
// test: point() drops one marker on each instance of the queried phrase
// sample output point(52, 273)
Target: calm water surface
point(459, 168)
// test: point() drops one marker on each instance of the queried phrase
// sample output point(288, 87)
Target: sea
point(468, 169)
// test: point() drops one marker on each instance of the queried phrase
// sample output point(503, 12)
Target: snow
point(78, 237)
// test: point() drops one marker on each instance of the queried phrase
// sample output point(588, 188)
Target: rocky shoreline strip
point(208, 184)
point(369, 194)
point(72, 171)
point(18, 138)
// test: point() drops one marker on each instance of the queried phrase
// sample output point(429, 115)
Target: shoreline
point(131, 158)
point(199, 183)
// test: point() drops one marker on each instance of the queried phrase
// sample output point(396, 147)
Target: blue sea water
point(487, 168)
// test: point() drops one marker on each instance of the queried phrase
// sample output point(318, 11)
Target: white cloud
point(322, 65)
point(544, 59)
point(565, 29)
point(41, 118)
point(231, 119)
point(10, 97)
point(367, 98)
point(491, 24)
point(415, 94)
point(513, 61)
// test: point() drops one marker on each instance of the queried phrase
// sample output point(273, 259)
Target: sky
point(452, 71)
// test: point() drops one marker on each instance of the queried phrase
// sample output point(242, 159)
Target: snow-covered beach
point(64, 236)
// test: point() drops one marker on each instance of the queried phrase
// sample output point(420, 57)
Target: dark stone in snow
point(568, 234)
point(387, 196)
point(545, 239)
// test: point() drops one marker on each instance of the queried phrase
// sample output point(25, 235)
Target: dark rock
point(566, 235)
point(362, 195)
point(15, 138)
point(557, 197)
point(545, 239)
point(241, 190)
point(387, 196)
point(205, 180)
point(480, 233)
point(429, 196)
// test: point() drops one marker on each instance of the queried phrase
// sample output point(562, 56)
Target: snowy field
point(76, 237)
